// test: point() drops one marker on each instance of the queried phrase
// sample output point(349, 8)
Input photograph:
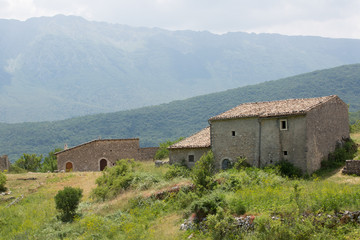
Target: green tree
point(67, 201)
point(29, 162)
point(163, 151)
point(2, 182)
point(50, 161)
point(203, 172)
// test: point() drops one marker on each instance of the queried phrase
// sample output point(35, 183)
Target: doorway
point(69, 167)
point(103, 164)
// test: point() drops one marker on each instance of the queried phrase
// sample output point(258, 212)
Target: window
point(191, 158)
point(233, 133)
point(283, 124)
point(285, 153)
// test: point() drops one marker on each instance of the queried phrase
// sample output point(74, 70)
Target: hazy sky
point(328, 18)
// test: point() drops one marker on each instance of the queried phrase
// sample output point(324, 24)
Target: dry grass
point(166, 227)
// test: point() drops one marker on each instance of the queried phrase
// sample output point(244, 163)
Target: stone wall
point(182, 155)
point(327, 124)
point(352, 167)
point(4, 163)
point(148, 153)
point(283, 144)
point(87, 156)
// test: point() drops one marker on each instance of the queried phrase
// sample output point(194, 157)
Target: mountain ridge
point(181, 118)
point(54, 68)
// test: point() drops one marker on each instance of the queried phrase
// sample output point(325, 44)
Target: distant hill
point(179, 118)
point(59, 67)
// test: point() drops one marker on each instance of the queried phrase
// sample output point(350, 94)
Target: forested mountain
point(58, 67)
point(179, 118)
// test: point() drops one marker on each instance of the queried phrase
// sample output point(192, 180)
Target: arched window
point(103, 164)
point(226, 164)
point(69, 167)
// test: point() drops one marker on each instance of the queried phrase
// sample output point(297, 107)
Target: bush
point(241, 163)
point(237, 206)
point(2, 182)
point(163, 151)
point(207, 205)
point(203, 172)
point(115, 179)
point(223, 226)
point(337, 158)
point(67, 201)
point(16, 169)
point(288, 169)
point(29, 162)
point(177, 171)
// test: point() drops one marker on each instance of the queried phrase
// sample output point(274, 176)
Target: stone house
point(302, 131)
point(4, 163)
point(98, 154)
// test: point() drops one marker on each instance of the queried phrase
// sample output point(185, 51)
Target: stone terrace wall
point(148, 153)
point(352, 167)
point(4, 163)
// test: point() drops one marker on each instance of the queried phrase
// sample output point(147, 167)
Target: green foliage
point(16, 169)
point(237, 206)
point(337, 158)
point(155, 124)
point(67, 201)
point(50, 161)
point(208, 204)
point(177, 170)
point(288, 169)
point(241, 162)
point(29, 162)
point(2, 182)
point(115, 179)
point(203, 172)
point(163, 151)
point(222, 225)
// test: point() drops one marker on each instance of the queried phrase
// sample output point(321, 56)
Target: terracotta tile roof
point(274, 108)
point(198, 140)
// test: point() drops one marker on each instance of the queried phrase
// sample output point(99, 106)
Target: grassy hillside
point(281, 208)
point(176, 119)
point(53, 68)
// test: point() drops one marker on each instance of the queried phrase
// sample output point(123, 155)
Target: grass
point(133, 214)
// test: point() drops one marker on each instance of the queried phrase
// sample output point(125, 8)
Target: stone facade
point(4, 163)
point(97, 154)
point(301, 131)
point(190, 150)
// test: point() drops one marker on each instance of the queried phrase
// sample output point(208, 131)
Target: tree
point(203, 172)
point(67, 201)
point(2, 182)
point(29, 162)
point(163, 151)
point(50, 161)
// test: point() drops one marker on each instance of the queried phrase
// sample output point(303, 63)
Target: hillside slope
point(53, 68)
point(179, 118)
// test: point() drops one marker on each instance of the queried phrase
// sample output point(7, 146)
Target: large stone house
point(4, 163)
point(302, 131)
point(98, 154)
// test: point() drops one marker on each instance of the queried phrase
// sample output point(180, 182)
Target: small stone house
point(302, 131)
point(4, 163)
point(98, 154)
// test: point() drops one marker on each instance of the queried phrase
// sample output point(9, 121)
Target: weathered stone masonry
point(4, 163)
point(97, 154)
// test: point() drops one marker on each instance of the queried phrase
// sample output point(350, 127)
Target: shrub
point(223, 226)
point(340, 155)
point(177, 171)
point(115, 179)
point(16, 169)
point(237, 206)
point(163, 151)
point(29, 162)
point(241, 163)
point(288, 169)
point(203, 172)
point(207, 205)
point(2, 182)
point(67, 201)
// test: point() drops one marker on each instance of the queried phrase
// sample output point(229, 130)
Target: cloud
point(330, 18)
